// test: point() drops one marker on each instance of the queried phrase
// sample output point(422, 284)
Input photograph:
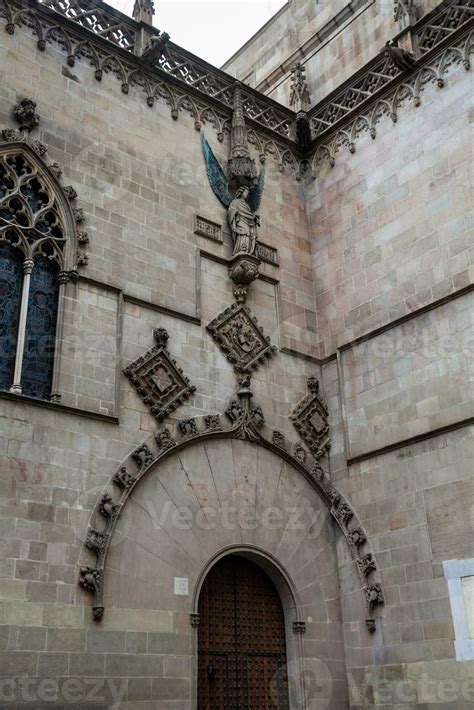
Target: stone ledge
point(464, 423)
point(57, 407)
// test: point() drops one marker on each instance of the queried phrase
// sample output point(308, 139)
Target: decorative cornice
point(110, 40)
point(430, 35)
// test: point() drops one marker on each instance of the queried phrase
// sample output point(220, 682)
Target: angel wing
point(217, 178)
point(256, 192)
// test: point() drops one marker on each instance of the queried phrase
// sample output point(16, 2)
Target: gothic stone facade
point(348, 474)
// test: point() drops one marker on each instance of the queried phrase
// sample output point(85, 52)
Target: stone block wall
point(374, 249)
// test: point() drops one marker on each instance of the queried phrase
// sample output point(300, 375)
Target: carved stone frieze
point(194, 81)
point(241, 339)
point(310, 419)
point(159, 381)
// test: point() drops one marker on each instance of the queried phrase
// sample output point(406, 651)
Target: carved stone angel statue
point(241, 209)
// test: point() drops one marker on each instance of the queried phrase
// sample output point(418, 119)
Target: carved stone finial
point(161, 336)
point(241, 167)
point(25, 114)
point(143, 11)
point(300, 99)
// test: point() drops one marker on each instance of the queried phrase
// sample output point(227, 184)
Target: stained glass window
point(31, 232)
point(10, 293)
point(38, 359)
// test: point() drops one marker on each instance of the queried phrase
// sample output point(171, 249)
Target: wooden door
point(241, 642)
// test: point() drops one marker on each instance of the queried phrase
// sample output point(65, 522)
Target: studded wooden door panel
point(241, 647)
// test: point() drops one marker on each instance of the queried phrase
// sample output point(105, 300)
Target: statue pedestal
point(243, 269)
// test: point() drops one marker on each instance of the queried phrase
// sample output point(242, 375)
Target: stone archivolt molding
point(190, 85)
point(247, 423)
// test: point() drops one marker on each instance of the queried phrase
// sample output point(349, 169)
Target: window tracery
point(33, 253)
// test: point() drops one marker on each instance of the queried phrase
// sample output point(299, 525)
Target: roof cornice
point(189, 84)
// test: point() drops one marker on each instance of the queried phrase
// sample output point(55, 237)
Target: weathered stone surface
point(372, 240)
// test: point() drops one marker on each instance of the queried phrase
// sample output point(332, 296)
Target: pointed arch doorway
point(242, 661)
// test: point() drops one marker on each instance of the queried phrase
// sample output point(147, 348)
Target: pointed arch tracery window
point(35, 236)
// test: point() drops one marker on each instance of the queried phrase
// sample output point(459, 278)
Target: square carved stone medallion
point(158, 380)
point(240, 338)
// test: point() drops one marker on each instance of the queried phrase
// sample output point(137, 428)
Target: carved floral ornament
point(37, 213)
point(245, 421)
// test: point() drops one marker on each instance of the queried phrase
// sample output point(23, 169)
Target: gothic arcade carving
point(159, 381)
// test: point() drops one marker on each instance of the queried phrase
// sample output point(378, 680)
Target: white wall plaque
point(181, 586)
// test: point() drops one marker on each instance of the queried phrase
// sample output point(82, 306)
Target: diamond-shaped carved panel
point(240, 338)
point(310, 419)
point(159, 381)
